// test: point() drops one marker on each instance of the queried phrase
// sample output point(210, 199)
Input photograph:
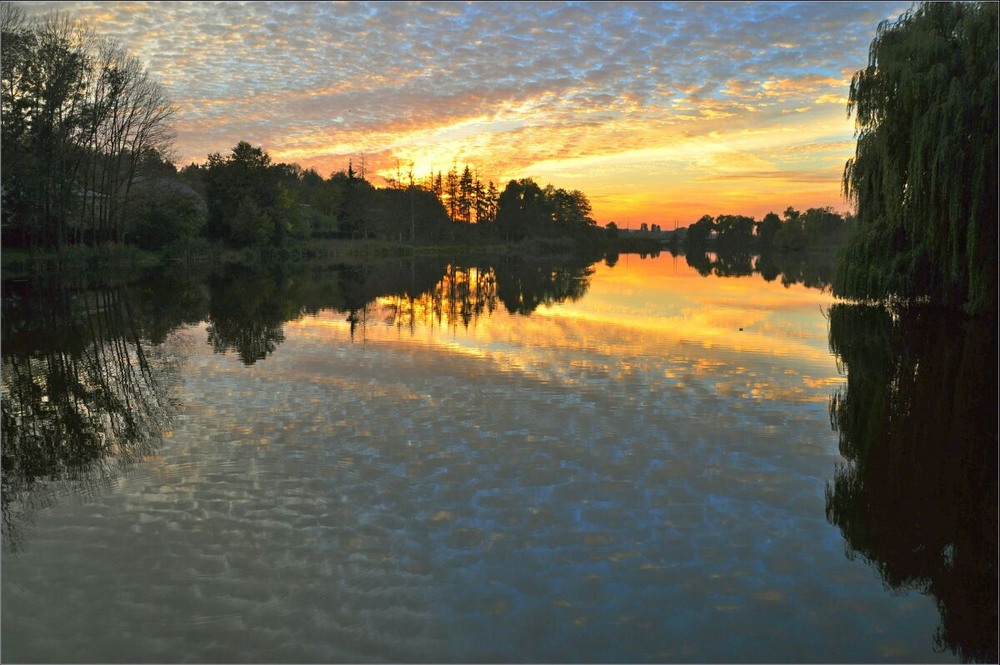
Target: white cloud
point(548, 81)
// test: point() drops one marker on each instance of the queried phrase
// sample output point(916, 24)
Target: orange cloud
point(647, 108)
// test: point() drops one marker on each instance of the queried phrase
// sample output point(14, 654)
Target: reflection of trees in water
point(464, 293)
point(247, 312)
point(82, 392)
point(811, 269)
point(84, 389)
point(523, 286)
point(391, 283)
point(917, 498)
point(249, 306)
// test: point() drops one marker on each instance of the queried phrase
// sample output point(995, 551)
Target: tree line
point(249, 200)
point(793, 230)
point(86, 144)
point(86, 150)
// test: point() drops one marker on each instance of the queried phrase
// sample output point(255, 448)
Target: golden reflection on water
point(624, 476)
point(746, 336)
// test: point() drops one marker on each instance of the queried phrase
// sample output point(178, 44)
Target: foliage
point(571, 210)
point(526, 210)
point(924, 174)
point(79, 117)
point(735, 231)
point(699, 233)
point(162, 211)
point(815, 228)
point(82, 393)
point(767, 229)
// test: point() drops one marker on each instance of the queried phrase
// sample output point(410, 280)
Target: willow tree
point(924, 175)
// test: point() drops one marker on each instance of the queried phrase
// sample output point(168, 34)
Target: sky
point(658, 112)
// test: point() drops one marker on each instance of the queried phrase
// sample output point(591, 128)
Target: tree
point(79, 116)
point(126, 117)
point(924, 174)
point(767, 228)
point(465, 196)
point(451, 191)
point(229, 182)
point(735, 231)
point(571, 211)
point(791, 235)
point(492, 197)
point(252, 201)
point(522, 209)
point(163, 210)
point(699, 232)
point(353, 196)
point(480, 204)
point(437, 185)
point(822, 226)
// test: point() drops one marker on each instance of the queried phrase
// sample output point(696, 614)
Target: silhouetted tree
point(924, 174)
point(79, 115)
point(699, 232)
point(521, 209)
point(767, 229)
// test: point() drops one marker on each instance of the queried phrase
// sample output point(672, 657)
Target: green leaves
point(924, 175)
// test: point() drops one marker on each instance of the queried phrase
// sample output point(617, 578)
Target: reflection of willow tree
point(917, 498)
point(81, 392)
point(247, 311)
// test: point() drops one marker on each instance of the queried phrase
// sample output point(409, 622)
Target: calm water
point(497, 461)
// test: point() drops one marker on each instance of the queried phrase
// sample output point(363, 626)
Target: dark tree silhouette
point(924, 174)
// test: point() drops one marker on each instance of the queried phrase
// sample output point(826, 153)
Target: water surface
point(450, 463)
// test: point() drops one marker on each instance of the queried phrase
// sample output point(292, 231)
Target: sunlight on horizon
point(647, 108)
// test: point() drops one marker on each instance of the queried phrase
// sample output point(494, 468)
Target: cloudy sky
point(659, 112)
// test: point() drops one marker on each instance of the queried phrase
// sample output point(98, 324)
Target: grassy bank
point(125, 258)
point(108, 258)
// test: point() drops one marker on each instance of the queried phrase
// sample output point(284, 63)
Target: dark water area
point(502, 460)
point(917, 494)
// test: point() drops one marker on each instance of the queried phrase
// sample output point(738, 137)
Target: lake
point(637, 460)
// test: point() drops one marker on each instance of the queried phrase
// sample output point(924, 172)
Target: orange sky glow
point(658, 112)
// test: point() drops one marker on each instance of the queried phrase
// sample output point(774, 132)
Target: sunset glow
point(658, 112)
point(729, 330)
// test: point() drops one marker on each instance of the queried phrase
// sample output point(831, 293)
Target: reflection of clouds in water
point(541, 488)
point(574, 345)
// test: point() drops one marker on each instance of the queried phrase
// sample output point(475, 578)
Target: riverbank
point(126, 258)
